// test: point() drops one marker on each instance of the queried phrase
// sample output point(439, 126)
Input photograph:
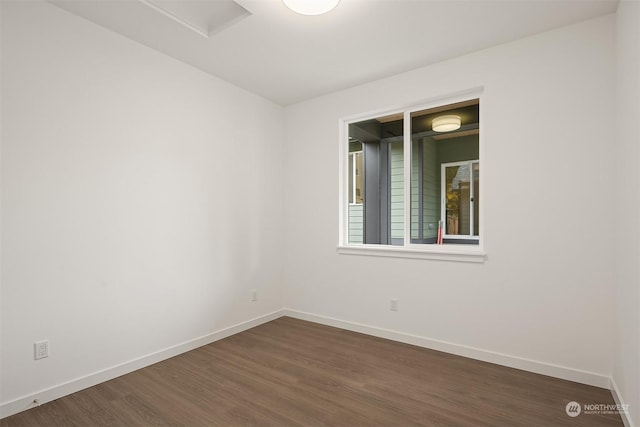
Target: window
point(412, 180)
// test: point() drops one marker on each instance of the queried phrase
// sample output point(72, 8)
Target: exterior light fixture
point(446, 123)
point(311, 7)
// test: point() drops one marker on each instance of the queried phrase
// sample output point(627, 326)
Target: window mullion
point(406, 150)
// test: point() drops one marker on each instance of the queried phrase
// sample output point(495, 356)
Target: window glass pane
point(445, 135)
point(376, 184)
point(443, 187)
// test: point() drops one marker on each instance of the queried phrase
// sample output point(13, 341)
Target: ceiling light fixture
point(446, 123)
point(311, 7)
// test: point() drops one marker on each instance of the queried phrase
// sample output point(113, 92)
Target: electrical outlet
point(394, 304)
point(41, 349)
point(254, 295)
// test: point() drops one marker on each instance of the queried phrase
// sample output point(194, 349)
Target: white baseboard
point(615, 392)
point(43, 396)
point(529, 365)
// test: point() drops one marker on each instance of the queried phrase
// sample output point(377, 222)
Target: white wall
point(141, 200)
point(626, 371)
point(545, 293)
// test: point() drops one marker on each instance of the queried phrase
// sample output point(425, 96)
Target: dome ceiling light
point(311, 7)
point(446, 123)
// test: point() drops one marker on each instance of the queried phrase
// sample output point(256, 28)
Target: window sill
point(457, 253)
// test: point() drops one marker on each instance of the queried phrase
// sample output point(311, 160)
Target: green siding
point(430, 188)
point(356, 223)
point(397, 190)
point(415, 191)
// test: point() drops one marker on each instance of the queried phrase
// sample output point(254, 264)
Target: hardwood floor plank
point(290, 372)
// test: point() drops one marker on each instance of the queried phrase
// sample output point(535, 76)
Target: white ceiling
point(274, 52)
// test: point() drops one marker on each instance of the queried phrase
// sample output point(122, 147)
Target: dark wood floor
point(291, 372)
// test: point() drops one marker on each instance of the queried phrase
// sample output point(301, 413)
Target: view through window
point(442, 184)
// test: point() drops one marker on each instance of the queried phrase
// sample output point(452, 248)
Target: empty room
point(320, 213)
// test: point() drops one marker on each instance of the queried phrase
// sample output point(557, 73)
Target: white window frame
point(444, 252)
